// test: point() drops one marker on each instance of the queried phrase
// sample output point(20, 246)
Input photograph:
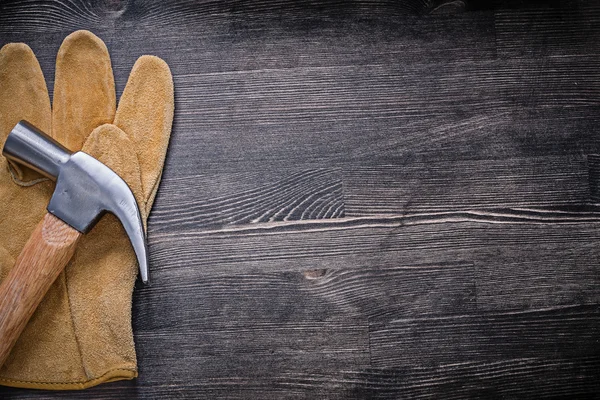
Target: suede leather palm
point(81, 334)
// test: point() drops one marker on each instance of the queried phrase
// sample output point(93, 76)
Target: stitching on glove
point(15, 178)
point(64, 274)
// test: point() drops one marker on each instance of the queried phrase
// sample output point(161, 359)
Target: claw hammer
point(85, 190)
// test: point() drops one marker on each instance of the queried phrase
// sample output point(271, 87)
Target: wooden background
point(362, 199)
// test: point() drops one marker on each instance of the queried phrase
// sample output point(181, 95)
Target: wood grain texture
point(44, 257)
point(308, 194)
point(564, 332)
point(476, 184)
point(365, 199)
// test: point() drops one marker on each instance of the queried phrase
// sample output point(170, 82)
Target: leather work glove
point(81, 335)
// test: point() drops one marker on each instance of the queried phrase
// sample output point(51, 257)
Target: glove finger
point(146, 113)
point(101, 307)
point(84, 89)
point(111, 146)
point(23, 95)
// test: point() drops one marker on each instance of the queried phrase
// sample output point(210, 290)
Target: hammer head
point(85, 188)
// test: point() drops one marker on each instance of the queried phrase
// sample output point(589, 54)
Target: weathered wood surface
point(362, 199)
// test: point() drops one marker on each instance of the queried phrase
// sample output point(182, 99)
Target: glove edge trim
point(116, 374)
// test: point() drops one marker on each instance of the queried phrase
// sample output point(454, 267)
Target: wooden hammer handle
point(44, 256)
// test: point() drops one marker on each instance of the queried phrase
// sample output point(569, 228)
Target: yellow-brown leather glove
point(81, 334)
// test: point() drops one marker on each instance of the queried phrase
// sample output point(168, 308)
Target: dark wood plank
point(211, 200)
point(520, 280)
point(520, 264)
point(491, 337)
point(466, 185)
point(217, 198)
point(510, 378)
point(317, 295)
point(522, 377)
point(354, 242)
point(552, 30)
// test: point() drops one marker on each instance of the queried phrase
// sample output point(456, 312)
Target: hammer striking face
point(85, 190)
